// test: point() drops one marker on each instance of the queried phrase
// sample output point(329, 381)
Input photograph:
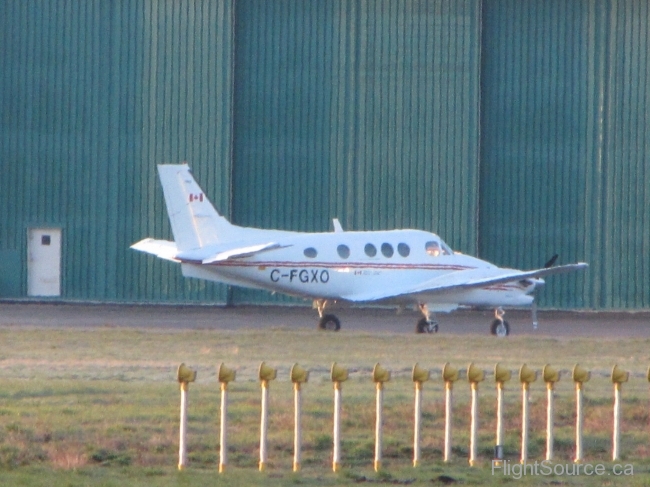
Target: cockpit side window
point(433, 248)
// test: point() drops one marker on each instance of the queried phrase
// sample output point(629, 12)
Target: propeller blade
point(534, 313)
point(550, 262)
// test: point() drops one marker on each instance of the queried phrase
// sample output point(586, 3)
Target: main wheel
point(500, 328)
point(426, 326)
point(329, 322)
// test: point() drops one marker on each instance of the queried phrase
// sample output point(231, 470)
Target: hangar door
point(44, 262)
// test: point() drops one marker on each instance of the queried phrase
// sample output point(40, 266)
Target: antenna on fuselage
point(337, 225)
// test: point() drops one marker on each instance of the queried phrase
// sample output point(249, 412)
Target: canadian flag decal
point(196, 197)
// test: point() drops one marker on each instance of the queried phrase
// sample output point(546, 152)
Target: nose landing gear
point(499, 326)
point(428, 324)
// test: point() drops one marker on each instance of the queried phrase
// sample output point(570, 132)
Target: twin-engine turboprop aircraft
point(397, 267)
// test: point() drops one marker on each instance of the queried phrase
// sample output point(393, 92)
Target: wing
point(461, 280)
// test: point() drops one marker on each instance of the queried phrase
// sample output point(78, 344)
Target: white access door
point(44, 262)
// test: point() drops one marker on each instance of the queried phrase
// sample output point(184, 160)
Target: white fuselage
point(335, 265)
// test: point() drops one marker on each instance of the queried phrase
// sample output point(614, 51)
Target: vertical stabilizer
point(195, 223)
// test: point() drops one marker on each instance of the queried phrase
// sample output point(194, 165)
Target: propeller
point(548, 264)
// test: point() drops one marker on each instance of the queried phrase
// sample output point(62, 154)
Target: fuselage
point(335, 265)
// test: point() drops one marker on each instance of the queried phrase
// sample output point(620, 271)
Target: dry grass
point(74, 399)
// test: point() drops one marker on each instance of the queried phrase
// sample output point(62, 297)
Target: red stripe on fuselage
point(349, 265)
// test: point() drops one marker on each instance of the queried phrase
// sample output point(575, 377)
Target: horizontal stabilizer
point(219, 253)
point(160, 248)
point(241, 252)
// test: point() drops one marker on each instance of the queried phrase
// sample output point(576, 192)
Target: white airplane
point(396, 267)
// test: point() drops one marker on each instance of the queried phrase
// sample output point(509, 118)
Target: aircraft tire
point(329, 322)
point(424, 326)
point(500, 328)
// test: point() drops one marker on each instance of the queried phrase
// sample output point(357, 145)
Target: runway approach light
point(226, 374)
point(449, 373)
point(380, 374)
point(474, 374)
point(298, 374)
point(619, 375)
point(338, 373)
point(267, 372)
point(527, 375)
point(550, 375)
point(580, 374)
point(419, 374)
point(501, 374)
point(185, 374)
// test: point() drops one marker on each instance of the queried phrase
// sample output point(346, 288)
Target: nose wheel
point(428, 324)
point(499, 326)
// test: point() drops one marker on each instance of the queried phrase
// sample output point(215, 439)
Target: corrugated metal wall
point(513, 129)
point(362, 110)
point(93, 95)
point(565, 145)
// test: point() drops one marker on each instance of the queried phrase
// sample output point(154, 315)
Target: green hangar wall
point(513, 129)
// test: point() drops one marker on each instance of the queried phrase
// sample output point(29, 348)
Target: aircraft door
point(44, 262)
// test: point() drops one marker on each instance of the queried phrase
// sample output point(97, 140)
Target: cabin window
point(310, 252)
point(387, 249)
point(370, 250)
point(432, 248)
point(403, 249)
point(344, 251)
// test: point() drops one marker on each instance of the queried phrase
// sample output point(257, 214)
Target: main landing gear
point(499, 326)
point(428, 324)
point(326, 321)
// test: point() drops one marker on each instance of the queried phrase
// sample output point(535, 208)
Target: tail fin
point(195, 222)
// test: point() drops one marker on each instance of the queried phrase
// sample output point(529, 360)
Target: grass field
point(99, 406)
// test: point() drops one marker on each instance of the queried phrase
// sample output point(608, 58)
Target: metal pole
point(579, 421)
point(473, 439)
point(378, 425)
point(524, 422)
point(500, 427)
point(336, 460)
point(182, 451)
point(298, 430)
point(448, 406)
point(418, 419)
point(617, 422)
point(264, 424)
point(223, 441)
point(549, 421)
